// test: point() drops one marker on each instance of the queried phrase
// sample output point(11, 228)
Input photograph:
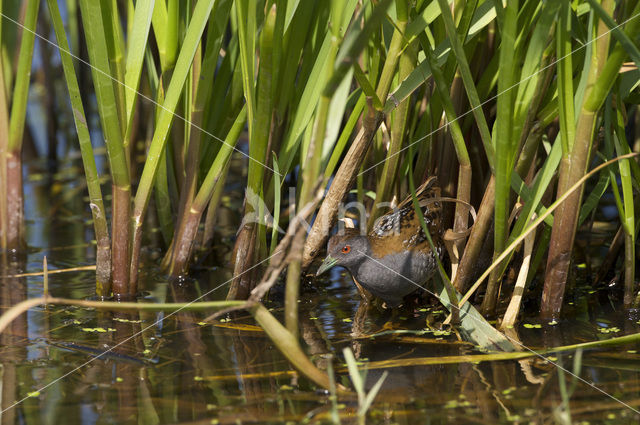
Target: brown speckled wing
point(401, 227)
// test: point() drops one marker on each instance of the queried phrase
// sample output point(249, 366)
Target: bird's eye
point(346, 249)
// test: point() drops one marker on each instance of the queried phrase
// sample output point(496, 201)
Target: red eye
point(346, 249)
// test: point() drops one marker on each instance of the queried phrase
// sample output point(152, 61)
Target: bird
point(395, 258)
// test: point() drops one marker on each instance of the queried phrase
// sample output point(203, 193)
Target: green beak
point(326, 265)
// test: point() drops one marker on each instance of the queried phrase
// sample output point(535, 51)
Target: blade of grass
point(505, 145)
point(93, 24)
point(103, 255)
point(189, 45)
point(467, 78)
point(23, 78)
point(136, 45)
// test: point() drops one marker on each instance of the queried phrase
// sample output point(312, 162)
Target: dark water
point(174, 369)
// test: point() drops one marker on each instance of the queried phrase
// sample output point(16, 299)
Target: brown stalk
point(346, 174)
point(572, 168)
point(467, 266)
point(565, 220)
point(461, 217)
point(120, 229)
point(463, 191)
point(188, 217)
point(243, 259)
point(342, 182)
point(181, 251)
point(187, 190)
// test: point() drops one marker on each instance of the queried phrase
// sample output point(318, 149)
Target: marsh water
point(176, 369)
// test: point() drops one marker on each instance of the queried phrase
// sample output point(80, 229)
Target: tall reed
point(15, 83)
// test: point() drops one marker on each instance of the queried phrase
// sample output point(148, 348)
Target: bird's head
point(347, 250)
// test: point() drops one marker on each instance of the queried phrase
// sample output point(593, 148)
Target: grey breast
point(394, 276)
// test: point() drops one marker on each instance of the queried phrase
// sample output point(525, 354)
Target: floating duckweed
point(553, 322)
point(608, 330)
point(313, 318)
point(440, 333)
point(227, 320)
point(198, 378)
point(119, 379)
point(214, 422)
point(508, 390)
point(202, 323)
point(452, 404)
point(120, 319)
point(286, 387)
point(532, 325)
point(33, 394)
point(611, 416)
point(552, 358)
point(77, 322)
point(346, 320)
point(423, 310)
point(146, 351)
point(99, 330)
point(582, 266)
point(211, 406)
point(632, 351)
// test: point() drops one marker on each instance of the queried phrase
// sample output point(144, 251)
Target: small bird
point(395, 258)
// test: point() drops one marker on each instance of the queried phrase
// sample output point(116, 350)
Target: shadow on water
point(155, 368)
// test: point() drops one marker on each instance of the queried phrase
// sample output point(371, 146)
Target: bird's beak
point(326, 265)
